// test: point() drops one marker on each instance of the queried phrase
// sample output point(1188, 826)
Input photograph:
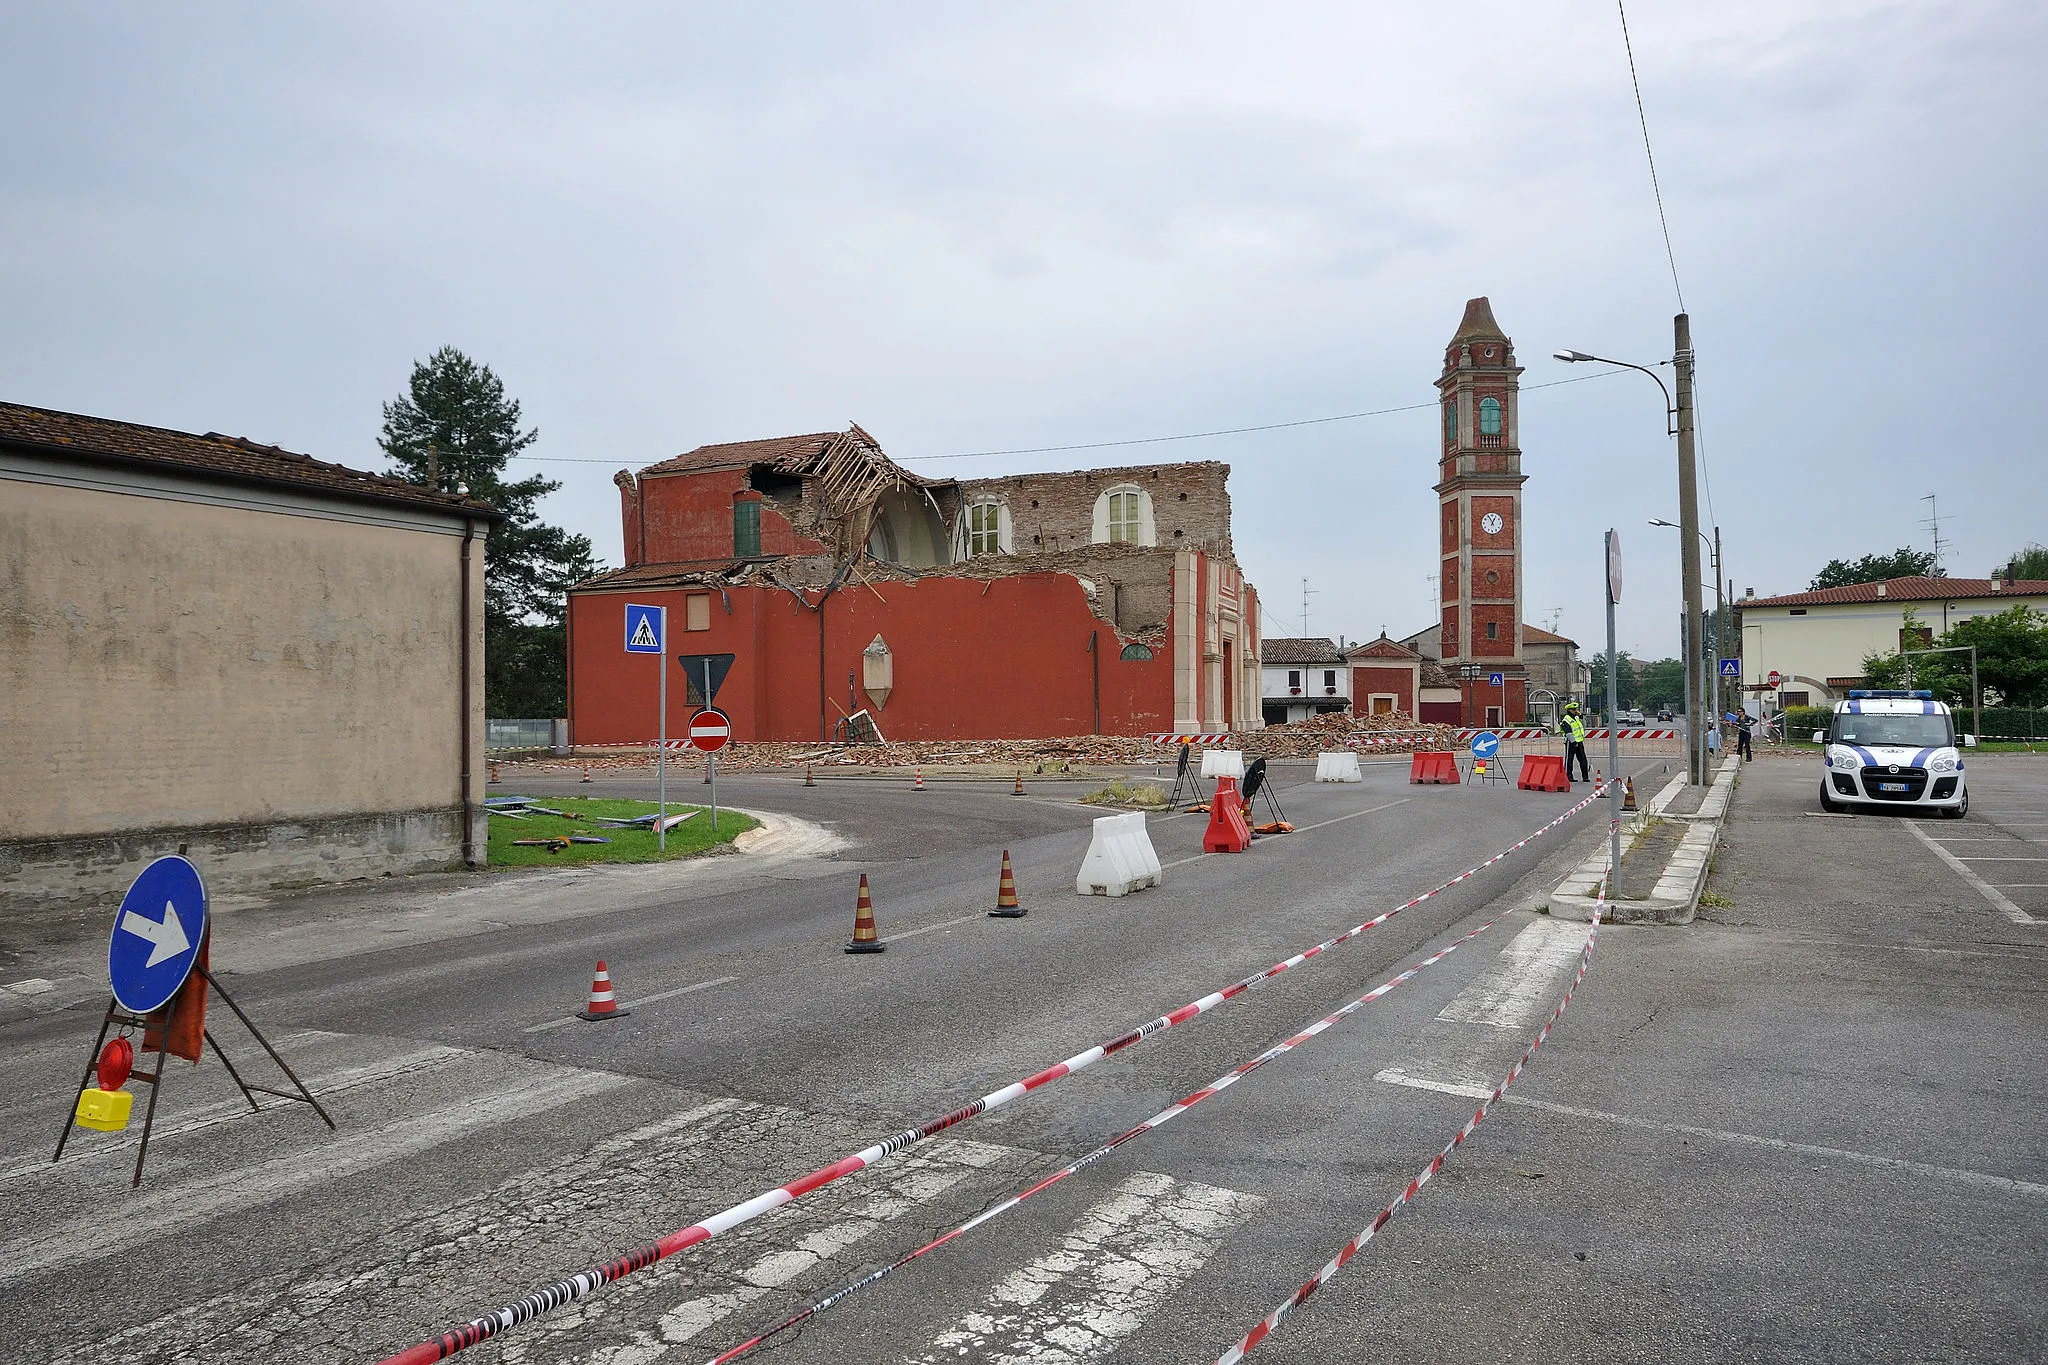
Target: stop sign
point(710, 729)
point(1776, 677)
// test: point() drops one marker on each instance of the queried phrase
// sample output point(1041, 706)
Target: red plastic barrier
point(1543, 773)
point(1228, 833)
point(1434, 767)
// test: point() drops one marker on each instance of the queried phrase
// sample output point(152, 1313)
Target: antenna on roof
point(1306, 593)
point(1933, 523)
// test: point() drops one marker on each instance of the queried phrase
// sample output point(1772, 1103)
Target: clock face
point(1490, 523)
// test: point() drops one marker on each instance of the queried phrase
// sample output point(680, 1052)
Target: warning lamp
point(106, 1108)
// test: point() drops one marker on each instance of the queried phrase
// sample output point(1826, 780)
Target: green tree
point(1625, 683)
point(1661, 683)
point(2012, 661)
point(2030, 563)
point(1904, 562)
point(454, 428)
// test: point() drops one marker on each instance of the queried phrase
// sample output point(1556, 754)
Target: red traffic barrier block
point(1434, 767)
point(1228, 833)
point(1543, 773)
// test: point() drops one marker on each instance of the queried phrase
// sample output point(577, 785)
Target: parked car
point(1664, 714)
point(1632, 720)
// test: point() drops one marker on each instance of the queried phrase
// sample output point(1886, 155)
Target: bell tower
point(1479, 511)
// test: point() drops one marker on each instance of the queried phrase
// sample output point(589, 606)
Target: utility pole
point(1689, 553)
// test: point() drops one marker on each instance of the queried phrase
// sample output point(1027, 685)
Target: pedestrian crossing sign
point(643, 629)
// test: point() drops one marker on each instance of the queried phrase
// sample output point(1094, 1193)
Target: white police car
point(1893, 748)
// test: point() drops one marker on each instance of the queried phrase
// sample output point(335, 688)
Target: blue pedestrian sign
point(1493, 680)
point(1731, 668)
point(644, 630)
point(1485, 744)
point(157, 933)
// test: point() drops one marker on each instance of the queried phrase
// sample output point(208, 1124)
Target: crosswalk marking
point(1517, 990)
point(1123, 1257)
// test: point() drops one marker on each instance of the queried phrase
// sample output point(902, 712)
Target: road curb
point(1676, 898)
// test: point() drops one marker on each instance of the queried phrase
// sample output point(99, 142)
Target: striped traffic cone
point(586, 773)
point(1020, 783)
point(918, 785)
point(865, 940)
point(810, 777)
point(1628, 799)
point(603, 1004)
point(1006, 894)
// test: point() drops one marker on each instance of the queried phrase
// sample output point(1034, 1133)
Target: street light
point(1678, 422)
point(1719, 637)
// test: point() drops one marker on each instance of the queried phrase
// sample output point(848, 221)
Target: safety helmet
point(1571, 706)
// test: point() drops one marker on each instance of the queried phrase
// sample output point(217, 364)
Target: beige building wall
point(1830, 641)
point(292, 673)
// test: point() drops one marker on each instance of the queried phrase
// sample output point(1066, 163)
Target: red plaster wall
point(1504, 539)
point(689, 516)
point(1368, 679)
point(1504, 565)
point(1503, 616)
point(1008, 663)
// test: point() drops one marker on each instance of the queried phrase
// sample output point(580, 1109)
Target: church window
point(1451, 422)
point(1489, 417)
point(1123, 516)
point(984, 528)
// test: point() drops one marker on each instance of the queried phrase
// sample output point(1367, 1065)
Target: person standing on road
point(1575, 743)
point(1744, 723)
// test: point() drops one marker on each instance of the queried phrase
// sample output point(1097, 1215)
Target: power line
point(1143, 440)
point(1651, 156)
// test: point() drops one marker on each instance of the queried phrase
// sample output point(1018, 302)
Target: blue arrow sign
point(1485, 744)
point(644, 630)
point(1493, 680)
point(157, 933)
point(1731, 668)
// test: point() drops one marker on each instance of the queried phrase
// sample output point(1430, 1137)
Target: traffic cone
point(1628, 799)
point(603, 1004)
point(493, 775)
point(586, 773)
point(810, 777)
point(918, 785)
point(1020, 783)
point(865, 940)
point(1006, 894)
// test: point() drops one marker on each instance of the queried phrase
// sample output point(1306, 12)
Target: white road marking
point(1300, 829)
point(1124, 1256)
point(1393, 1075)
point(1977, 858)
point(1963, 1177)
point(929, 928)
point(156, 1213)
point(657, 997)
point(1516, 990)
point(1984, 888)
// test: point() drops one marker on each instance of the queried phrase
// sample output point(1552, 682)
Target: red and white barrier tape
point(1162, 737)
point(1271, 1322)
point(1158, 1120)
point(543, 1301)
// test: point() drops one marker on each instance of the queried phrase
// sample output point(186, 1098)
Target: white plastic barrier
point(1120, 857)
point(1338, 768)
point(1223, 763)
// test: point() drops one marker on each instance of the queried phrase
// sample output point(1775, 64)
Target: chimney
point(1881, 589)
point(1749, 592)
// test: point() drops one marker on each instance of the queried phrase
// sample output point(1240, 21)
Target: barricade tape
point(1158, 1120)
point(1164, 738)
point(566, 1291)
point(1271, 1322)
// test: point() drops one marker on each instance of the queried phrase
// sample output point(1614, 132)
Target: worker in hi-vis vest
point(1574, 731)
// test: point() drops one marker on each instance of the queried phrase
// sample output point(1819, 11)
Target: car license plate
point(1891, 786)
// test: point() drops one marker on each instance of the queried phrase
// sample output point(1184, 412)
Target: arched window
point(1123, 516)
point(1489, 417)
point(986, 532)
point(1451, 422)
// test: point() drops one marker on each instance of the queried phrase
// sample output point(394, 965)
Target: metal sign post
point(1613, 724)
point(711, 730)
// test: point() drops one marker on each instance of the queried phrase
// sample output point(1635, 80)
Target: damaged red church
point(1104, 601)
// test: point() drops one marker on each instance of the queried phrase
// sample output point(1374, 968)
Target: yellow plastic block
point(106, 1110)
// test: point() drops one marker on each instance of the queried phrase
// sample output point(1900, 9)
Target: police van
point(1893, 748)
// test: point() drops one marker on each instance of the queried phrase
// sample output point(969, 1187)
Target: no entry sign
point(710, 729)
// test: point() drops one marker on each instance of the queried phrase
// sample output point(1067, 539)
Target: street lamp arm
point(1670, 411)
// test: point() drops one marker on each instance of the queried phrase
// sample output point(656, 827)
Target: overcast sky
point(972, 228)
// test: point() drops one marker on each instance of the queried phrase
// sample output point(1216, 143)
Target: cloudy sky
point(975, 228)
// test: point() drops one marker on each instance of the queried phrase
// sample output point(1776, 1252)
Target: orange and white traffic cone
point(865, 939)
point(1020, 783)
point(810, 776)
point(1628, 797)
point(492, 775)
point(918, 785)
point(586, 773)
point(603, 1004)
point(1006, 894)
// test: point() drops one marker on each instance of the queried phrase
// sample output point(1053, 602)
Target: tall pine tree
point(452, 429)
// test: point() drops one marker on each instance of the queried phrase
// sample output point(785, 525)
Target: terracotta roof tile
point(1384, 648)
point(744, 452)
point(1901, 590)
point(1535, 635)
point(233, 458)
point(1305, 650)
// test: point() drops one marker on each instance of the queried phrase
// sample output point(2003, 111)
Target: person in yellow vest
point(1574, 731)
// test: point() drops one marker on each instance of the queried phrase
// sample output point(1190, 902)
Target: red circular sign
point(1776, 677)
point(710, 729)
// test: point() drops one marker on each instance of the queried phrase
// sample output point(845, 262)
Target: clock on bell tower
point(1479, 502)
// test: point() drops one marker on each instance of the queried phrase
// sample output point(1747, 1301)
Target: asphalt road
point(1856, 996)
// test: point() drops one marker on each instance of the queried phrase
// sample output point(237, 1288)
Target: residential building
point(1302, 677)
point(271, 664)
point(1816, 641)
point(1092, 601)
point(1554, 668)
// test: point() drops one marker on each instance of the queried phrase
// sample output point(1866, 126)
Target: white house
point(1816, 640)
point(1300, 678)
